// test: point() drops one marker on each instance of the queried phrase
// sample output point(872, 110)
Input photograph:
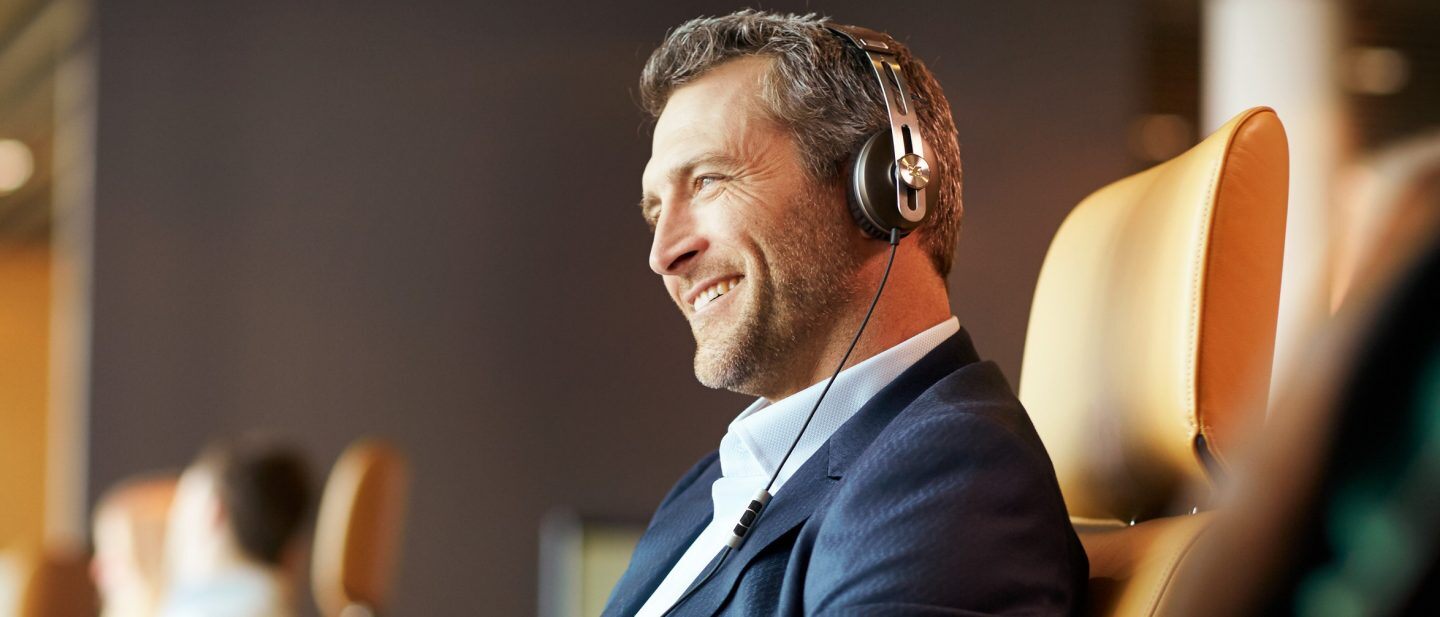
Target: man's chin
point(715, 370)
point(724, 369)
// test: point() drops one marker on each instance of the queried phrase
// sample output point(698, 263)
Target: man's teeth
point(715, 291)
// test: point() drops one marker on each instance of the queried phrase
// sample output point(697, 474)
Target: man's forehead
point(731, 87)
point(708, 116)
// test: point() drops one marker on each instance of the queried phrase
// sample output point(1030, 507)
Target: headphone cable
point(894, 244)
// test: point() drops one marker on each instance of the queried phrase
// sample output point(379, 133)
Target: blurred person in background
point(233, 547)
point(129, 528)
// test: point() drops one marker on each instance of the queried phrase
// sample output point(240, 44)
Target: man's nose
point(676, 244)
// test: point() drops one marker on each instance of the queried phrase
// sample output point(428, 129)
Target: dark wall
point(417, 220)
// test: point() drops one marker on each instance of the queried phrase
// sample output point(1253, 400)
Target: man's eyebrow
point(683, 171)
point(649, 201)
point(719, 159)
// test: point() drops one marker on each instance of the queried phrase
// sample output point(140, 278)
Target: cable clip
point(747, 519)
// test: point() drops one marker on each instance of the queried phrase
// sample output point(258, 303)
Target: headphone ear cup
point(872, 188)
point(857, 212)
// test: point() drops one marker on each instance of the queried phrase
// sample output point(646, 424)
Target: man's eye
point(704, 182)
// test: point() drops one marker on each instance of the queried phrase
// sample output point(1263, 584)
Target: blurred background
point(329, 220)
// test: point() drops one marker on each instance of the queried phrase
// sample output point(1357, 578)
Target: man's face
point(759, 259)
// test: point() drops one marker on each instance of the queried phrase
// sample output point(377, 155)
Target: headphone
point(888, 192)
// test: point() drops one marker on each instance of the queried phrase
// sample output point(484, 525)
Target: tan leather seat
point(1149, 349)
point(358, 531)
point(128, 535)
point(52, 583)
point(1337, 507)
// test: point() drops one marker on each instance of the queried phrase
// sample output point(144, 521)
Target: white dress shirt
point(242, 591)
point(756, 442)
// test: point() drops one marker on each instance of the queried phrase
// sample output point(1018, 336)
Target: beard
point(800, 281)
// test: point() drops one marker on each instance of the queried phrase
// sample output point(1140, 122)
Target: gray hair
point(824, 92)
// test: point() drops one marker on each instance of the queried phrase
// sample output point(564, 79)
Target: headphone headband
point(907, 170)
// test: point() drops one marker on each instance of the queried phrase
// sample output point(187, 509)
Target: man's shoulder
point(975, 394)
point(967, 421)
point(957, 487)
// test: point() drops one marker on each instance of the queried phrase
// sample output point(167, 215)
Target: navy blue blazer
point(935, 498)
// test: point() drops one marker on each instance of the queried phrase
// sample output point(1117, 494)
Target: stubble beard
point(810, 279)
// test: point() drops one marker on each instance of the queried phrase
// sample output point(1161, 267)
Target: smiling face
point(758, 257)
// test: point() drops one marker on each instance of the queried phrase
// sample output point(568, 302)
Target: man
point(920, 486)
point(232, 549)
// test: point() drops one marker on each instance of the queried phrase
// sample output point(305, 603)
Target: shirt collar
point(756, 442)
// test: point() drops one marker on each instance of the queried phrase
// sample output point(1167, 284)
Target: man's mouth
point(713, 292)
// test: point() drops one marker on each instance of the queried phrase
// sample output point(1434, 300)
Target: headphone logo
point(914, 171)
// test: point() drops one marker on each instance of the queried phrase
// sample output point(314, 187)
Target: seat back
point(129, 532)
point(1150, 342)
point(53, 582)
point(358, 531)
point(1339, 508)
point(1132, 566)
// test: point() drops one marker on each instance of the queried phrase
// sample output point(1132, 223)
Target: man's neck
point(914, 300)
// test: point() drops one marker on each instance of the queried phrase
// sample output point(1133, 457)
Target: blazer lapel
point(819, 476)
point(675, 527)
point(795, 502)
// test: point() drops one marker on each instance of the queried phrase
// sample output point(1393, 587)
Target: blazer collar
point(855, 435)
point(816, 479)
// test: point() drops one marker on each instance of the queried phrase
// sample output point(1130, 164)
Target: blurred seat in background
point(50, 583)
point(1338, 508)
point(129, 538)
point(358, 531)
point(1149, 350)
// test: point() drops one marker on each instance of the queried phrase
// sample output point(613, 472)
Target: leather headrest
point(1153, 324)
point(357, 534)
